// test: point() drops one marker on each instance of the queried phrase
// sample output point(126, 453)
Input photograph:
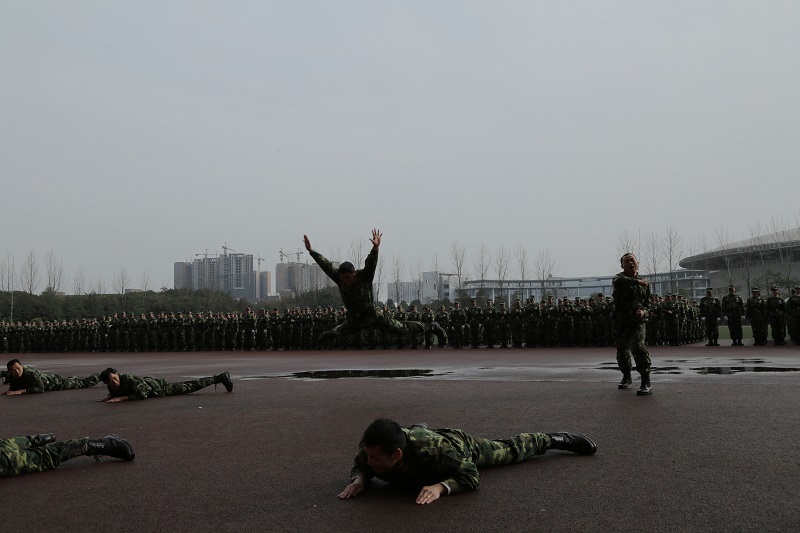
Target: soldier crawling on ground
point(26, 380)
point(123, 387)
point(444, 461)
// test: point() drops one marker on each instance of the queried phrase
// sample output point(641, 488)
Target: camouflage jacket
point(431, 456)
point(31, 381)
point(628, 297)
point(732, 305)
point(710, 307)
point(357, 298)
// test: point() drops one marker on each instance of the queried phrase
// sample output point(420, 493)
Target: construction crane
point(259, 259)
point(289, 255)
point(225, 248)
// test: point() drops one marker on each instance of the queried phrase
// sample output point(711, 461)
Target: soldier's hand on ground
point(12, 392)
point(353, 489)
point(430, 494)
point(307, 242)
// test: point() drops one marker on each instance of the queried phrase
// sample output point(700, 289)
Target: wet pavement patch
point(739, 369)
point(392, 373)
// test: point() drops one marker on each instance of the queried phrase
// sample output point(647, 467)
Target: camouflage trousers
point(735, 327)
point(712, 329)
point(186, 387)
point(629, 340)
point(498, 452)
point(56, 382)
point(381, 323)
point(18, 456)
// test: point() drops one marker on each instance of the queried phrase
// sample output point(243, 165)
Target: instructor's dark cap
point(347, 266)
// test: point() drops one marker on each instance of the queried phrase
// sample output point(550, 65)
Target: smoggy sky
point(137, 134)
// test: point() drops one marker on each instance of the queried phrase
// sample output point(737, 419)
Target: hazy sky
point(138, 134)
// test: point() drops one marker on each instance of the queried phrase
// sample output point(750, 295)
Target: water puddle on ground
point(393, 373)
point(722, 370)
point(719, 370)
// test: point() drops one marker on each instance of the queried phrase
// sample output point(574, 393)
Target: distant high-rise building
point(297, 278)
point(264, 284)
point(231, 273)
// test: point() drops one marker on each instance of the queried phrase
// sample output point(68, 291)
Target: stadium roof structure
point(781, 245)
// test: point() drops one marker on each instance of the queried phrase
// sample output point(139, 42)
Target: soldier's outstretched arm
point(355, 488)
point(430, 493)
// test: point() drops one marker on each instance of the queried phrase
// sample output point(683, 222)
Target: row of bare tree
point(29, 274)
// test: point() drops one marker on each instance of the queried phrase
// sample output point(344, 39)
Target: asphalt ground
point(715, 448)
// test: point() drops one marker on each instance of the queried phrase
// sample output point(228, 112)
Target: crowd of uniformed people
point(671, 320)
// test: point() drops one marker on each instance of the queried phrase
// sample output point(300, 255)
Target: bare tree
point(781, 233)
point(457, 254)
point(481, 262)
point(673, 247)
point(627, 242)
point(522, 265)
point(397, 274)
point(502, 260)
point(651, 258)
point(99, 286)
point(29, 274)
point(758, 241)
point(79, 282)
point(357, 251)
point(145, 288)
point(121, 281)
point(722, 240)
point(5, 279)
point(417, 281)
point(55, 271)
point(545, 267)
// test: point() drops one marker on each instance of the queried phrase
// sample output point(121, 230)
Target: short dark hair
point(12, 363)
point(621, 259)
point(347, 266)
point(384, 433)
point(107, 372)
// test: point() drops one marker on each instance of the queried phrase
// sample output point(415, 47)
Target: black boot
point(572, 442)
point(645, 388)
point(225, 379)
point(41, 440)
point(626, 380)
point(437, 330)
point(112, 446)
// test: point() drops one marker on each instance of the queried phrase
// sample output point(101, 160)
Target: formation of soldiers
point(672, 320)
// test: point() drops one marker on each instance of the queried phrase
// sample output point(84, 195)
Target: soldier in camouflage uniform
point(458, 326)
point(27, 455)
point(710, 309)
point(631, 299)
point(490, 324)
point(442, 317)
point(355, 288)
point(123, 387)
point(441, 462)
point(776, 314)
point(532, 313)
point(26, 380)
point(756, 313)
point(733, 309)
point(474, 319)
point(793, 315)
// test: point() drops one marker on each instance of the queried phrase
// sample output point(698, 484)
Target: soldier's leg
point(72, 382)
point(21, 458)
point(506, 451)
point(186, 387)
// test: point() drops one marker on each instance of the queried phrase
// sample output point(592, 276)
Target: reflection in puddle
point(335, 374)
point(738, 369)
